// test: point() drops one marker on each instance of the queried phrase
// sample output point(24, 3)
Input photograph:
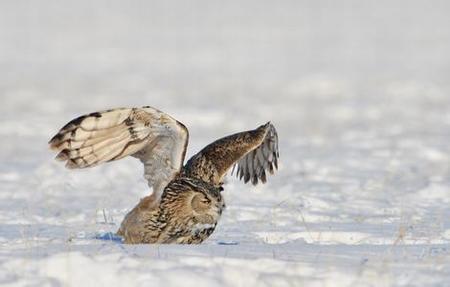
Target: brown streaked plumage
point(186, 202)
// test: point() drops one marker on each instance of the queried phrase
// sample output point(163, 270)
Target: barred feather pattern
point(255, 164)
point(148, 134)
point(254, 152)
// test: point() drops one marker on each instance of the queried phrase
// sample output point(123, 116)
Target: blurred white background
point(188, 53)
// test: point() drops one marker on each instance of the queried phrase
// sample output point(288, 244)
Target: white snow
point(358, 91)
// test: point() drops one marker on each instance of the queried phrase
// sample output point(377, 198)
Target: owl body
point(187, 212)
point(186, 202)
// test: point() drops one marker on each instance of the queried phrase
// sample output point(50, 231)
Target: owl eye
point(200, 203)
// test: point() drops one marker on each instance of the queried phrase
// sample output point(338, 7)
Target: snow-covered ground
point(358, 91)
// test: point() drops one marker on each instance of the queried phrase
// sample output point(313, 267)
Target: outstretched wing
point(254, 152)
point(154, 137)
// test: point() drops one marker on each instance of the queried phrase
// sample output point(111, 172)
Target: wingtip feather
point(62, 155)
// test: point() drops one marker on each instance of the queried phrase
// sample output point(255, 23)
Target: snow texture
point(358, 91)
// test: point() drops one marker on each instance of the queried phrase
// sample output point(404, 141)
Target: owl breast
point(197, 233)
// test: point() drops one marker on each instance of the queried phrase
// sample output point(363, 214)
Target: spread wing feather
point(254, 153)
point(254, 165)
point(158, 140)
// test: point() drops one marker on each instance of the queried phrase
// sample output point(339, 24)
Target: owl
point(186, 200)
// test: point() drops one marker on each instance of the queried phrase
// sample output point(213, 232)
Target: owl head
point(193, 199)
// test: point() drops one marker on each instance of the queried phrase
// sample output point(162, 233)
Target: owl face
point(200, 203)
point(207, 206)
point(194, 200)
